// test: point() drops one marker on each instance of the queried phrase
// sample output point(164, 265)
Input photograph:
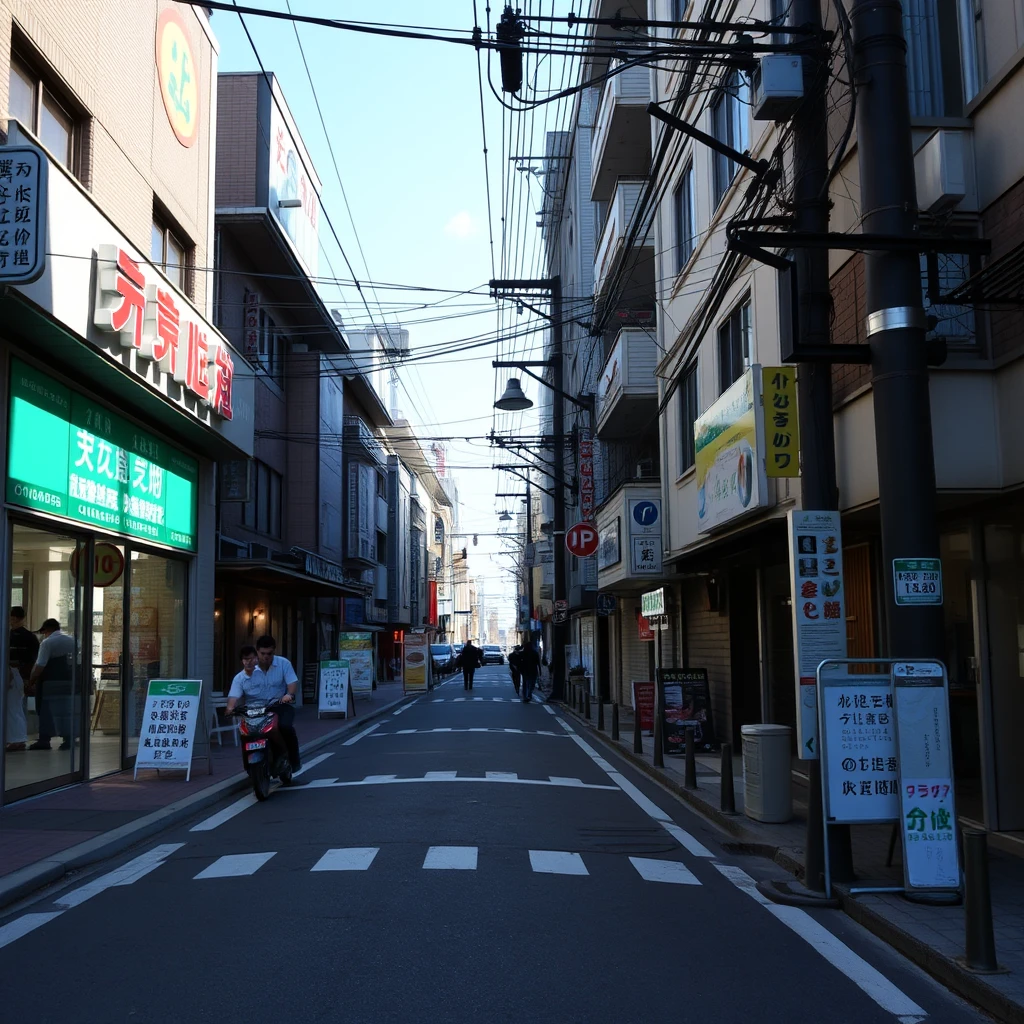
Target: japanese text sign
point(23, 171)
point(178, 75)
point(334, 688)
point(858, 748)
point(74, 458)
point(357, 649)
point(819, 610)
point(169, 724)
point(645, 535)
point(917, 580)
point(148, 315)
point(586, 477)
point(781, 426)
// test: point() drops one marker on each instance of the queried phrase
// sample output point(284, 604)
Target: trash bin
point(767, 782)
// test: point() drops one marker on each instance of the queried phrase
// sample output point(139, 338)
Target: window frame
point(269, 356)
point(689, 411)
point(730, 124)
point(735, 336)
point(169, 233)
point(43, 90)
point(685, 215)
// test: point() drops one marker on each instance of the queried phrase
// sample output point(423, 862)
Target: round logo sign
point(581, 540)
point(107, 564)
point(645, 513)
point(178, 76)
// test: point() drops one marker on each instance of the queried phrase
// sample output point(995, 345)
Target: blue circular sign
point(645, 513)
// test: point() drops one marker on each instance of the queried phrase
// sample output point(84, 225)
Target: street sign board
point(605, 604)
point(652, 603)
point(169, 725)
point(819, 616)
point(643, 704)
point(685, 704)
point(917, 580)
point(561, 610)
point(581, 540)
point(335, 691)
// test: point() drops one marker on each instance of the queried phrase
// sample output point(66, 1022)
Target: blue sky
point(405, 124)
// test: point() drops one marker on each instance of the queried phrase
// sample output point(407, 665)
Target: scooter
point(264, 753)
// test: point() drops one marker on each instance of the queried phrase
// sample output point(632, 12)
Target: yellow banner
point(781, 423)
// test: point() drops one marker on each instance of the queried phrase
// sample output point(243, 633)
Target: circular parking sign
point(645, 513)
point(581, 540)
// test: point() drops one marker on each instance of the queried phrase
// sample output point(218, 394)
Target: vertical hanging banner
point(781, 425)
point(819, 611)
point(169, 725)
point(586, 476)
point(927, 812)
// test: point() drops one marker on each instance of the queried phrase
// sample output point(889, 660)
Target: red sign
point(153, 320)
point(643, 705)
point(581, 540)
point(643, 628)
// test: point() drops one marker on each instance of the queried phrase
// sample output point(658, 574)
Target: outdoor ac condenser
point(778, 86)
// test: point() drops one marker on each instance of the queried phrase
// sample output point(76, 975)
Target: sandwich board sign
point(335, 692)
point(169, 719)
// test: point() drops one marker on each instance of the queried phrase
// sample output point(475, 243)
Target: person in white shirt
point(53, 682)
point(265, 676)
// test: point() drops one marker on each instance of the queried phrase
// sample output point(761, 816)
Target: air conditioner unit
point(778, 86)
point(940, 167)
point(645, 469)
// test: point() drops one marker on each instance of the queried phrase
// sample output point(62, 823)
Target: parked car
point(442, 657)
point(457, 648)
point(493, 655)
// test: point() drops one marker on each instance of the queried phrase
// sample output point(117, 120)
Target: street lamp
point(505, 517)
point(513, 400)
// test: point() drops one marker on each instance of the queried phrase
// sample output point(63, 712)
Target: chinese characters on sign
point(153, 320)
point(917, 580)
point(645, 535)
point(22, 214)
point(178, 75)
point(860, 748)
point(819, 612)
point(781, 427)
point(251, 334)
point(334, 689)
point(169, 724)
point(586, 477)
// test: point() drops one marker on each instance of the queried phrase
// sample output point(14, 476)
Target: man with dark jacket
point(469, 661)
point(529, 666)
point(514, 658)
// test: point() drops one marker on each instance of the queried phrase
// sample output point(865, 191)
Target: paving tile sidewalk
point(931, 936)
point(43, 837)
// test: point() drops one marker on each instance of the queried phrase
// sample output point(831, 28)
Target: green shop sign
point(74, 458)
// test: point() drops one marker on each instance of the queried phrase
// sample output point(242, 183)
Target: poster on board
point(416, 667)
point(643, 704)
point(685, 699)
point(357, 650)
point(335, 692)
point(169, 725)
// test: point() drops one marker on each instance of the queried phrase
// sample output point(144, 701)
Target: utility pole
point(818, 487)
point(896, 324)
point(557, 654)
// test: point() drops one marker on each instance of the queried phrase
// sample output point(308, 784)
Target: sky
point(404, 120)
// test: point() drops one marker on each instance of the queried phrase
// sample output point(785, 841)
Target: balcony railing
point(621, 143)
point(622, 211)
point(627, 387)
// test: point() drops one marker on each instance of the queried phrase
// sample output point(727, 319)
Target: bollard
point(600, 713)
point(728, 803)
point(638, 741)
point(980, 945)
point(575, 695)
point(659, 744)
point(615, 721)
point(586, 702)
point(690, 780)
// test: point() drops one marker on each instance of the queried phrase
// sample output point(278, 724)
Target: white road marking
point(478, 698)
point(320, 783)
point(514, 730)
point(402, 732)
point(23, 925)
point(548, 708)
point(359, 735)
point(404, 707)
point(451, 858)
point(226, 814)
point(319, 759)
point(124, 875)
point(440, 776)
point(371, 779)
point(555, 862)
point(437, 700)
point(443, 729)
point(458, 700)
point(859, 971)
point(664, 871)
point(232, 865)
point(559, 780)
point(505, 776)
point(385, 780)
point(681, 836)
point(478, 728)
point(354, 858)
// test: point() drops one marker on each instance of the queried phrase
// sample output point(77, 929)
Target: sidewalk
point(42, 838)
point(930, 936)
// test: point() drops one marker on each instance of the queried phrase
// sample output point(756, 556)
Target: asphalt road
point(468, 858)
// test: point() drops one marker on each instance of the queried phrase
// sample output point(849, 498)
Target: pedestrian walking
point(469, 660)
point(52, 680)
point(514, 658)
point(529, 666)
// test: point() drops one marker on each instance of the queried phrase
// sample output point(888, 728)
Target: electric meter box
point(778, 86)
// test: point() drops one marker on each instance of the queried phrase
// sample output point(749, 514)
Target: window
point(679, 10)
point(270, 355)
point(734, 346)
point(688, 413)
point(945, 55)
point(684, 215)
point(729, 124)
point(264, 512)
point(35, 105)
point(955, 323)
point(171, 255)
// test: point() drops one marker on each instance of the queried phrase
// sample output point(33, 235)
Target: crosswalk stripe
point(441, 775)
point(234, 864)
point(664, 871)
point(444, 729)
point(379, 778)
point(557, 862)
point(126, 874)
point(511, 776)
point(558, 780)
point(405, 732)
point(354, 858)
point(451, 858)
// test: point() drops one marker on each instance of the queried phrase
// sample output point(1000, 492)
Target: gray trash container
point(767, 782)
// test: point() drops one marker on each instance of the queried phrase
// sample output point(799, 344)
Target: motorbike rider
point(267, 676)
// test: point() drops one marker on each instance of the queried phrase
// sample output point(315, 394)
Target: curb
point(943, 969)
point(26, 880)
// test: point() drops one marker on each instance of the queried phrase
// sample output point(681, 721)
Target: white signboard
point(357, 650)
point(819, 611)
point(927, 812)
point(917, 580)
point(334, 689)
point(645, 535)
point(169, 724)
point(859, 749)
point(23, 171)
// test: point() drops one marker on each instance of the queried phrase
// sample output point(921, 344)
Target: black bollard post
point(600, 713)
point(586, 702)
point(638, 740)
point(658, 760)
point(615, 721)
point(980, 945)
point(728, 802)
point(690, 780)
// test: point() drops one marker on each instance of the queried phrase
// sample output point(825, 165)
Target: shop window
point(685, 218)
point(734, 346)
point(729, 124)
point(270, 353)
point(44, 111)
point(264, 511)
point(688, 413)
point(172, 254)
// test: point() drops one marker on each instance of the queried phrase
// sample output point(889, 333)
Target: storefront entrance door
point(105, 713)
